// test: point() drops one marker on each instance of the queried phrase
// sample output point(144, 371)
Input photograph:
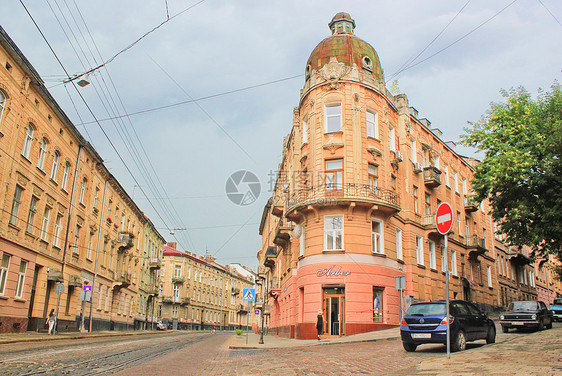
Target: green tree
point(521, 173)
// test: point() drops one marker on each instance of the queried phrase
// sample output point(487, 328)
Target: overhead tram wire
point(134, 43)
point(93, 115)
point(137, 159)
point(457, 40)
point(411, 60)
point(549, 12)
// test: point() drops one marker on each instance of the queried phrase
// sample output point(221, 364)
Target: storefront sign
point(332, 272)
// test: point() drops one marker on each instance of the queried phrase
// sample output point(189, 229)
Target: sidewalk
point(37, 337)
point(276, 342)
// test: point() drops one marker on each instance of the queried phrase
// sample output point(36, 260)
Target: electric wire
point(549, 12)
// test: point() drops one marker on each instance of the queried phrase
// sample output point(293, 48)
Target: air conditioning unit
point(398, 156)
point(418, 167)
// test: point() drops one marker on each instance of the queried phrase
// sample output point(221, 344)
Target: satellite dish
point(297, 231)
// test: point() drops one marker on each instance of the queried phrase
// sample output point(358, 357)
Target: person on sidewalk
point(319, 323)
point(51, 321)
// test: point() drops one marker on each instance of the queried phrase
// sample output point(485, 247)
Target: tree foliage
point(521, 173)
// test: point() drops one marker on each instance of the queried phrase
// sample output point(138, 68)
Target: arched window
point(42, 154)
point(83, 190)
point(65, 174)
point(55, 166)
point(2, 104)
point(27, 141)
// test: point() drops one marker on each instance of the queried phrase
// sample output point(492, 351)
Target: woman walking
point(51, 321)
point(319, 323)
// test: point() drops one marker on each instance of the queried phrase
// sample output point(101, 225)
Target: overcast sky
point(224, 45)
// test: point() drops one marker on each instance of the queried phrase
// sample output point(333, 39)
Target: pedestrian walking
point(319, 323)
point(51, 321)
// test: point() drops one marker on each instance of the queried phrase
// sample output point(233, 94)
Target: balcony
point(235, 290)
point(124, 241)
point(151, 289)
point(517, 257)
point(431, 177)
point(429, 222)
point(242, 308)
point(185, 301)
point(124, 279)
point(476, 246)
point(178, 279)
point(167, 300)
point(282, 233)
point(470, 204)
point(270, 256)
point(154, 263)
point(320, 196)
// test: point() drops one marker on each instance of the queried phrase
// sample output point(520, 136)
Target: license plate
point(421, 335)
point(517, 323)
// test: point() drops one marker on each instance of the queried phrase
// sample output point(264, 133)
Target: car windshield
point(522, 306)
point(426, 309)
point(557, 302)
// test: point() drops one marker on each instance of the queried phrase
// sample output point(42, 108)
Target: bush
point(239, 332)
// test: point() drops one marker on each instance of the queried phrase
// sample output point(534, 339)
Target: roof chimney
point(173, 245)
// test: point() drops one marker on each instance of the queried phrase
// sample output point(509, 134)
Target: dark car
point(556, 309)
point(526, 314)
point(427, 323)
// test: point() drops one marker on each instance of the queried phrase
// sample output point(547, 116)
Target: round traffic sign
point(444, 218)
point(59, 289)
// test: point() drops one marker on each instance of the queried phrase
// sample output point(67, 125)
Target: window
point(21, 279)
point(45, 223)
point(177, 292)
point(304, 132)
point(489, 276)
point(443, 262)
point(419, 249)
point(428, 204)
point(16, 205)
point(436, 162)
point(464, 186)
point(446, 170)
point(83, 192)
point(456, 182)
point(27, 141)
point(377, 303)
point(177, 271)
point(391, 141)
point(76, 239)
point(415, 200)
point(373, 177)
point(96, 194)
point(42, 154)
point(301, 242)
point(413, 151)
point(31, 214)
point(432, 255)
point(2, 104)
point(459, 223)
point(372, 120)
point(58, 230)
point(454, 262)
point(55, 165)
point(333, 233)
point(4, 266)
point(333, 117)
point(377, 236)
point(334, 174)
point(65, 174)
point(399, 254)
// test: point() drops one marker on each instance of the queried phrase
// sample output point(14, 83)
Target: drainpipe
point(73, 191)
point(102, 212)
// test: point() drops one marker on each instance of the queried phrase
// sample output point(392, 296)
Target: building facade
point(353, 207)
point(200, 294)
point(65, 222)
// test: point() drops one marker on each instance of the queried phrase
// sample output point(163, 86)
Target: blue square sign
point(248, 295)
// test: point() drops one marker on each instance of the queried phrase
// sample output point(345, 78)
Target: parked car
point(526, 314)
point(556, 309)
point(427, 323)
point(160, 325)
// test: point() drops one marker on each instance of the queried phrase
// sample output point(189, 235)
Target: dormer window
point(367, 63)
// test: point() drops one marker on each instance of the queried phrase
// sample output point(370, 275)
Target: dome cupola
point(345, 47)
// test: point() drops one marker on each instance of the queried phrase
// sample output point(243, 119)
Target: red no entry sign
point(444, 218)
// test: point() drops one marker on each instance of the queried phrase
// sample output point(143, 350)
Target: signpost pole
point(447, 298)
point(247, 321)
point(444, 223)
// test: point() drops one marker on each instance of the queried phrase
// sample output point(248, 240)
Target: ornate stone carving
point(333, 72)
point(22, 179)
point(374, 151)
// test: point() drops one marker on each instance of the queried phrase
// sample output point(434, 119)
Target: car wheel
point(459, 343)
point(409, 347)
point(491, 337)
point(549, 326)
point(505, 329)
point(541, 326)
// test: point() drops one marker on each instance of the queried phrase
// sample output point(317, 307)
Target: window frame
point(27, 141)
point(328, 117)
point(55, 165)
point(419, 250)
point(16, 204)
point(4, 270)
point(399, 247)
point(432, 255)
point(45, 223)
point(31, 214)
point(380, 239)
point(65, 175)
point(337, 233)
point(305, 132)
point(21, 279)
point(42, 153)
point(337, 174)
point(372, 125)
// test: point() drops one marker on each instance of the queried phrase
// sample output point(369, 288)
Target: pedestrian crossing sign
point(248, 295)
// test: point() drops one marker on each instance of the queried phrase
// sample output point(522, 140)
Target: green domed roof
point(345, 47)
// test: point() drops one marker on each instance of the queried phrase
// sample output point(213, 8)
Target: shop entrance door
point(334, 311)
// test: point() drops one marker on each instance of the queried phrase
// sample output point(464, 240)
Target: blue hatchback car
point(427, 323)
